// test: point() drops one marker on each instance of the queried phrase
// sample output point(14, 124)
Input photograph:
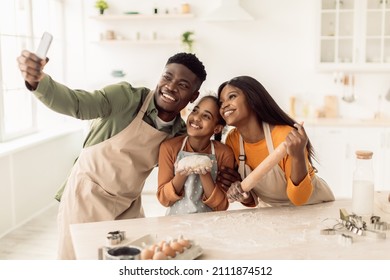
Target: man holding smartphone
point(121, 148)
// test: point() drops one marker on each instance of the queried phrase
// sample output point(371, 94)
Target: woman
point(187, 185)
point(260, 125)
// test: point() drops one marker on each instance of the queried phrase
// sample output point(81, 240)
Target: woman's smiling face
point(234, 105)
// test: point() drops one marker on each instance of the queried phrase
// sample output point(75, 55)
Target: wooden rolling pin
point(266, 165)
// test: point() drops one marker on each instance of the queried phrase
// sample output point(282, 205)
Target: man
point(122, 146)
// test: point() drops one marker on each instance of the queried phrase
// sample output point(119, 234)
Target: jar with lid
point(363, 184)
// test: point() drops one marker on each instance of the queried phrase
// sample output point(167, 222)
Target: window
point(22, 23)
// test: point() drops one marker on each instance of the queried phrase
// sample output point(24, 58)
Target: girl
point(260, 126)
point(193, 190)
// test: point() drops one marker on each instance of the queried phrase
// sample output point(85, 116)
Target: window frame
point(27, 36)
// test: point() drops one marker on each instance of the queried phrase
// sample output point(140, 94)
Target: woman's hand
point(227, 176)
point(235, 193)
point(296, 142)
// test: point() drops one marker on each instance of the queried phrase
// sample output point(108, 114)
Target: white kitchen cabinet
point(385, 142)
point(332, 152)
point(335, 147)
point(115, 25)
point(354, 35)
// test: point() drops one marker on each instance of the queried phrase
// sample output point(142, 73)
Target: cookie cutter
point(381, 226)
point(375, 234)
point(115, 237)
point(375, 219)
point(345, 239)
point(328, 231)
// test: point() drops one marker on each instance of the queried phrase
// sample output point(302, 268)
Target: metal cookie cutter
point(381, 226)
point(328, 231)
point(115, 237)
point(375, 234)
point(345, 239)
point(375, 219)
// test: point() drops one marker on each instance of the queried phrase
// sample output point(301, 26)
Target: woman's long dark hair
point(264, 106)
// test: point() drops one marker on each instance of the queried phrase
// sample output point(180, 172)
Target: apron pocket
point(97, 203)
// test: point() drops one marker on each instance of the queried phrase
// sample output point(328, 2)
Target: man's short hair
point(191, 62)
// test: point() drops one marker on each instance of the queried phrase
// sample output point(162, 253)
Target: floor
point(37, 239)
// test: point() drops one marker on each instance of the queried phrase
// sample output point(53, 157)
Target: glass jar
point(185, 8)
point(363, 184)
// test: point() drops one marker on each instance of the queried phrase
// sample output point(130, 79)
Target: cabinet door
point(354, 35)
point(330, 145)
point(386, 160)
point(377, 32)
point(338, 31)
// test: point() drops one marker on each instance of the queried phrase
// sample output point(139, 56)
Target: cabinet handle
point(348, 151)
point(383, 140)
point(388, 140)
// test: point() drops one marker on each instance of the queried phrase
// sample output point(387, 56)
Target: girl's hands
point(202, 170)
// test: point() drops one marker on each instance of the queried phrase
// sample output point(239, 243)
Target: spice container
point(185, 8)
point(363, 185)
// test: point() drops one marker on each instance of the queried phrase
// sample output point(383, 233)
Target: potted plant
point(187, 40)
point(101, 5)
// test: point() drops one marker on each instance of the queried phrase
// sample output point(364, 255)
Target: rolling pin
point(266, 165)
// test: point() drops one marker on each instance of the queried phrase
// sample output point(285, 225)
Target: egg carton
point(188, 254)
point(148, 240)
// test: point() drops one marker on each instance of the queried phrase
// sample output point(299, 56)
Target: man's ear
point(194, 96)
point(218, 129)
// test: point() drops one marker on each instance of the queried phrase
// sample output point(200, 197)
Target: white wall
point(30, 175)
point(278, 48)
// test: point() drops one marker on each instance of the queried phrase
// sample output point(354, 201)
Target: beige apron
point(192, 201)
point(107, 180)
point(271, 189)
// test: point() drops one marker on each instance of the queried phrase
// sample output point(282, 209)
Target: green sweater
point(111, 109)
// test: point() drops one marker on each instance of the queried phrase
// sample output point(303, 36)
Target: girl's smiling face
point(204, 120)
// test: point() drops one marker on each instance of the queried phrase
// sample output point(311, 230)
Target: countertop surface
point(252, 233)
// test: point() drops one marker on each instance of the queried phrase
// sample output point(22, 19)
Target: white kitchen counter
point(268, 233)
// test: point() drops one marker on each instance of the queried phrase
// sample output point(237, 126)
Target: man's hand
point(31, 67)
point(227, 176)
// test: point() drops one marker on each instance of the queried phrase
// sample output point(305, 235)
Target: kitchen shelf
point(155, 38)
point(136, 42)
point(141, 17)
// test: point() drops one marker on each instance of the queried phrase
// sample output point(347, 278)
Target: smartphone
point(44, 45)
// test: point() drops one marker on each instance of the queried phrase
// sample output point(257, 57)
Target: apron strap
point(241, 156)
point(145, 105)
point(184, 143)
point(185, 140)
point(268, 140)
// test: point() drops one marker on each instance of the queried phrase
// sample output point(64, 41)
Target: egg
point(168, 251)
point(161, 244)
point(177, 246)
point(147, 254)
point(184, 242)
point(159, 255)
